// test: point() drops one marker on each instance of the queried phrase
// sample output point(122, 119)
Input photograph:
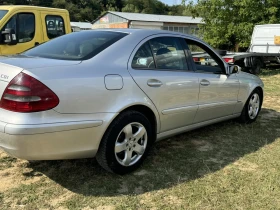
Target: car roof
point(11, 7)
point(145, 32)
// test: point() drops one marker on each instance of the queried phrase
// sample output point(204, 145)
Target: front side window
point(3, 13)
point(26, 27)
point(206, 61)
point(168, 53)
point(23, 25)
point(76, 46)
point(11, 24)
point(55, 26)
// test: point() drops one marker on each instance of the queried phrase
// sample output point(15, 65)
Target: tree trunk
point(236, 47)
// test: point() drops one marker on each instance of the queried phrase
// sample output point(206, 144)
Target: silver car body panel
point(177, 131)
point(93, 92)
point(219, 98)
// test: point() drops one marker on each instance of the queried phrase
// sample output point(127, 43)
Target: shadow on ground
point(179, 159)
point(271, 70)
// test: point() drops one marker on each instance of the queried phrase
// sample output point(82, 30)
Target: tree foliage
point(230, 23)
point(88, 10)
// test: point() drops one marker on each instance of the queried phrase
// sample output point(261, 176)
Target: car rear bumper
point(53, 141)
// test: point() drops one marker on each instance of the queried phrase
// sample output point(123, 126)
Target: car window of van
point(11, 24)
point(23, 25)
point(3, 13)
point(26, 27)
point(55, 26)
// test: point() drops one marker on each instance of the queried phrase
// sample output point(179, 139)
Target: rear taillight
point(229, 60)
point(26, 94)
point(196, 59)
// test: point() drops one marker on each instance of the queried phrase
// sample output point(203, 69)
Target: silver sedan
point(113, 93)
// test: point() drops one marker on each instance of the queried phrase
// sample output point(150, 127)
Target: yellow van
point(23, 27)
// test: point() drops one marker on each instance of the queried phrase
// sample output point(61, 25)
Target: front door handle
point(204, 82)
point(154, 83)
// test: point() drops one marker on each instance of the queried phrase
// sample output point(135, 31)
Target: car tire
point(257, 66)
point(126, 143)
point(252, 108)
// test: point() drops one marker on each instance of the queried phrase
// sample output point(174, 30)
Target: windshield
point(3, 13)
point(76, 46)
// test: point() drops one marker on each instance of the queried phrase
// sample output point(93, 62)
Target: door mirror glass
point(9, 36)
point(234, 69)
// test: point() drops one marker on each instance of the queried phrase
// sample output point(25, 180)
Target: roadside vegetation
point(223, 166)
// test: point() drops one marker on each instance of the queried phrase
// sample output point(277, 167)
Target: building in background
point(183, 24)
point(80, 25)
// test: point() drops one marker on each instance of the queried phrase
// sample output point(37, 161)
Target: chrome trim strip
point(19, 88)
point(21, 98)
point(208, 106)
point(180, 109)
point(167, 134)
point(14, 129)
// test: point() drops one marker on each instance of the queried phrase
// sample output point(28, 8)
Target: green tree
point(145, 6)
point(230, 23)
point(80, 10)
point(130, 8)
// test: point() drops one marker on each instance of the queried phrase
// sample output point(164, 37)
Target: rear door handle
point(154, 83)
point(204, 82)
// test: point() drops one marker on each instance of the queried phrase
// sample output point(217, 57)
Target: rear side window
point(143, 58)
point(55, 26)
point(76, 46)
point(163, 53)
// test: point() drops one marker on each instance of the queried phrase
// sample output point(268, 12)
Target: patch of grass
point(6, 162)
point(222, 166)
point(271, 78)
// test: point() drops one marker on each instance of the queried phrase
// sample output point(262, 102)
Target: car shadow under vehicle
point(173, 161)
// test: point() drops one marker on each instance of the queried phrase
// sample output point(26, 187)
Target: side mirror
point(234, 69)
point(9, 37)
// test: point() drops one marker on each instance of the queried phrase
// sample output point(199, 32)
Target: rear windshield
point(3, 13)
point(76, 46)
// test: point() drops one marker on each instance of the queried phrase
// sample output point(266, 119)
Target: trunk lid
point(11, 66)
point(26, 62)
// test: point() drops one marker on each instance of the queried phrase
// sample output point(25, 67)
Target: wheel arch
point(260, 89)
point(151, 114)
point(148, 112)
point(261, 92)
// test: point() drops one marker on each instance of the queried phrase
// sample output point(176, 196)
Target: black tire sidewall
point(245, 115)
point(256, 69)
point(111, 137)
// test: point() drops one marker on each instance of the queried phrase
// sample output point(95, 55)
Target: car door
point(27, 30)
point(159, 67)
point(218, 93)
